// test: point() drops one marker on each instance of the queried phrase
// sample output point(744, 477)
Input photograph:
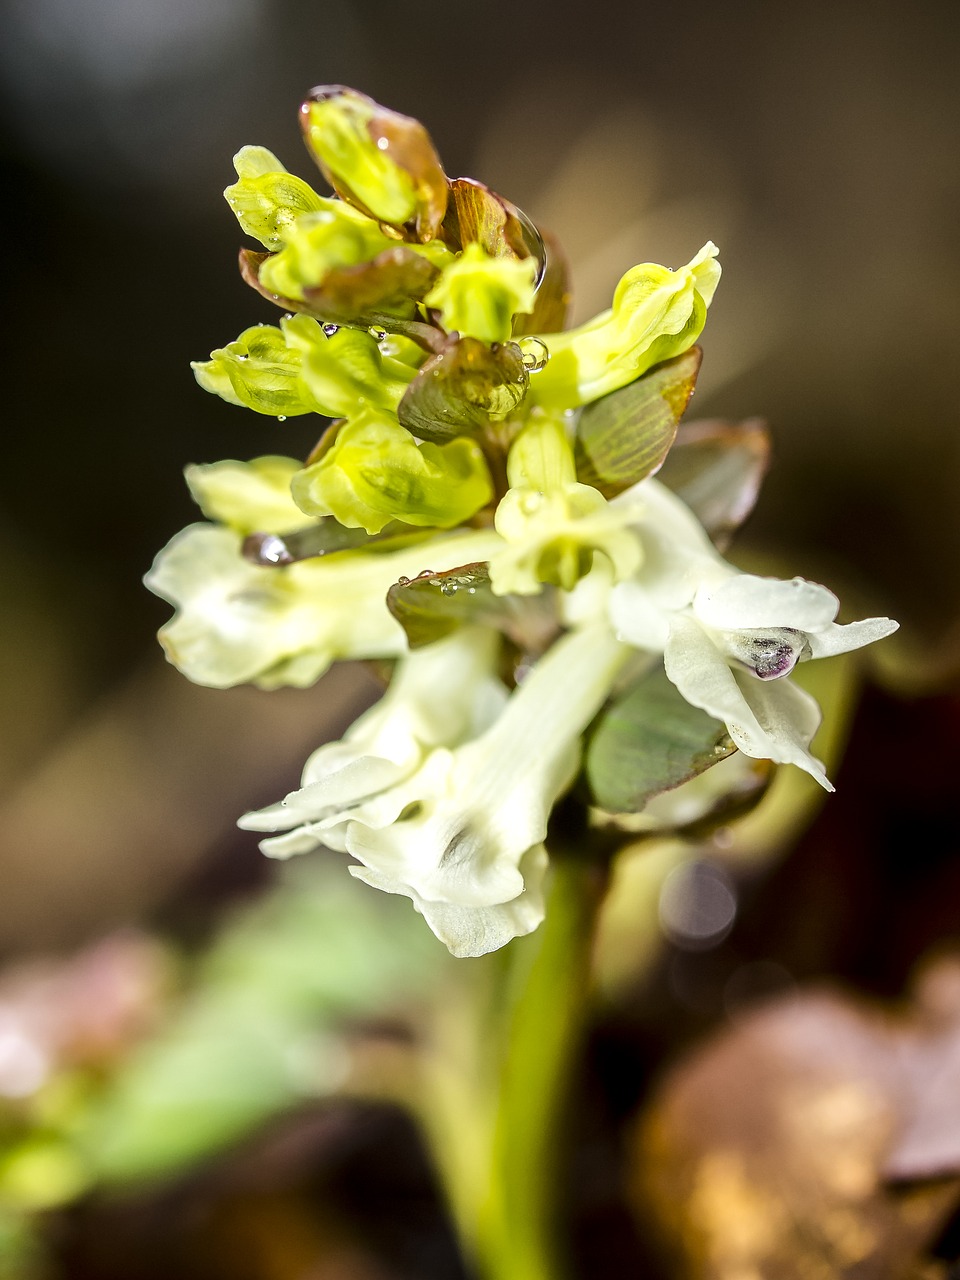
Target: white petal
point(698, 669)
point(745, 602)
point(790, 717)
point(473, 813)
point(389, 742)
point(341, 788)
point(637, 619)
point(475, 931)
point(289, 844)
point(238, 622)
point(839, 638)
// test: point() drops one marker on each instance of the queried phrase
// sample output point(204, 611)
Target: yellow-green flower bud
point(376, 472)
point(247, 496)
point(259, 371)
point(316, 243)
point(346, 370)
point(552, 525)
point(478, 296)
point(541, 457)
point(656, 314)
point(382, 162)
point(267, 199)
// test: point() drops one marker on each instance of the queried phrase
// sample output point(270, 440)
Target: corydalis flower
point(239, 621)
point(463, 837)
point(729, 639)
point(504, 466)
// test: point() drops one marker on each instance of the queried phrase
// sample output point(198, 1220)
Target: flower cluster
point(482, 509)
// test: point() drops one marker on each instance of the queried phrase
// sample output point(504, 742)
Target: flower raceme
point(482, 511)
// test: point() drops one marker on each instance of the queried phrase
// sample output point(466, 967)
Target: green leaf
point(462, 389)
point(648, 741)
point(433, 605)
point(626, 435)
point(717, 468)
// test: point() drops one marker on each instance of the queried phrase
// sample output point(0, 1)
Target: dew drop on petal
point(281, 417)
point(448, 588)
point(535, 354)
point(331, 329)
point(402, 580)
point(377, 333)
point(266, 549)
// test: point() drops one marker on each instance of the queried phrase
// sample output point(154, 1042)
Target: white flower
point(439, 695)
point(237, 621)
point(462, 836)
point(730, 638)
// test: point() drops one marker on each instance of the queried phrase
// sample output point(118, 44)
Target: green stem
point(496, 1108)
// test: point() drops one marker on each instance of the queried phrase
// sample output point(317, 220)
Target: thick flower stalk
point(480, 508)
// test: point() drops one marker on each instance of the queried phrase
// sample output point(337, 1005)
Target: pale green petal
point(267, 199)
point(337, 131)
point(552, 538)
point(551, 525)
point(247, 496)
point(478, 295)
point(346, 370)
point(376, 471)
point(260, 371)
point(334, 236)
point(378, 159)
point(656, 314)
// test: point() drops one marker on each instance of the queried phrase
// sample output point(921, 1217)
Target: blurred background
point(816, 145)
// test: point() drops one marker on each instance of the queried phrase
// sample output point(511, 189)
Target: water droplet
point(243, 357)
point(266, 549)
point(383, 143)
point(330, 329)
point(448, 588)
point(288, 316)
point(377, 333)
point(281, 417)
point(536, 353)
point(402, 580)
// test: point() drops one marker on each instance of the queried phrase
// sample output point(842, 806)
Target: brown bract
point(382, 293)
point(433, 605)
point(717, 468)
point(464, 388)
